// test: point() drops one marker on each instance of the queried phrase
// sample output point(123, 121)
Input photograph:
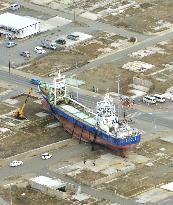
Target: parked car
point(73, 36)
point(149, 99)
point(26, 54)
point(15, 163)
point(39, 50)
point(159, 98)
point(48, 44)
point(11, 44)
point(35, 81)
point(61, 41)
point(46, 156)
point(14, 7)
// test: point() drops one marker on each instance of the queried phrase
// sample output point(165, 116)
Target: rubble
point(147, 52)
point(137, 66)
point(162, 25)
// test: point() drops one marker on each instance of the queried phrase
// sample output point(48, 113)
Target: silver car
point(11, 44)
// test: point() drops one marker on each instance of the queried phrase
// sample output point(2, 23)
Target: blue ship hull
point(87, 132)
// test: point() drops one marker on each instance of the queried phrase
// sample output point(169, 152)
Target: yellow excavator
point(20, 111)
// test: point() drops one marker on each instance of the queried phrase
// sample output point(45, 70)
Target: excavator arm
point(20, 111)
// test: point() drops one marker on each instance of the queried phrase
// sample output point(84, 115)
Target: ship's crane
point(20, 111)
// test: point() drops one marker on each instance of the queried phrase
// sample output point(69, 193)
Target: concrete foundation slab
point(81, 197)
point(167, 139)
point(168, 186)
point(133, 157)
point(41, 114)
point(154, 195)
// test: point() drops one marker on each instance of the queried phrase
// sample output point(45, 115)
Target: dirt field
point(1, 6)
point(29, 134)
point(54, 61)
point(2, 89)
point(146, 177)
point(145, 16)
point(31, 197)
point(101, 43)
point(104, 78)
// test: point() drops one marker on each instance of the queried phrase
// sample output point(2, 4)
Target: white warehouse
point(18, 26)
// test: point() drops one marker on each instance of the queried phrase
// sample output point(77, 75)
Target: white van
point(149, 99)
point(159, 98)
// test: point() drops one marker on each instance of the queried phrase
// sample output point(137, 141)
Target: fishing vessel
point(101, 127)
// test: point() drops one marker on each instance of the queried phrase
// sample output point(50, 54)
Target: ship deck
point(80, 115)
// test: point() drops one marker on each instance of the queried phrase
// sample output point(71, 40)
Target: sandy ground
point(145, 17)
point(105, 76)
point(29, 134)
point(31, 197)
point(63, 60)
point(145, 177)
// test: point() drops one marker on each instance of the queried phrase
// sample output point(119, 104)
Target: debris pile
point(162, 25)
point(137, 66)
point(147, 52)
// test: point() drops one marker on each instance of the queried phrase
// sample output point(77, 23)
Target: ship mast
point(59, 84)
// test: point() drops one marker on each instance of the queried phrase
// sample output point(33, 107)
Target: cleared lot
point(149, 17)
point(29, 134)
point(160, 72)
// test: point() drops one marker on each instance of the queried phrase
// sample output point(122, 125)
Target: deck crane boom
point(20, 111)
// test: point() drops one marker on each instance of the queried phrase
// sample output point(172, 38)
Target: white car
point(15, 163)
point(149, 99)
point(14, 7)
point(159, 98)
point(39, 50)
point(46, 156)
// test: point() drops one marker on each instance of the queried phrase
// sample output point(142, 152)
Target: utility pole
point(9, 186)
point(77, 93)
point(74, 11)
point(11, 201)
point(9, 66)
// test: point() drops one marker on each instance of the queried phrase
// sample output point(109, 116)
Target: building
point(17, 26)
